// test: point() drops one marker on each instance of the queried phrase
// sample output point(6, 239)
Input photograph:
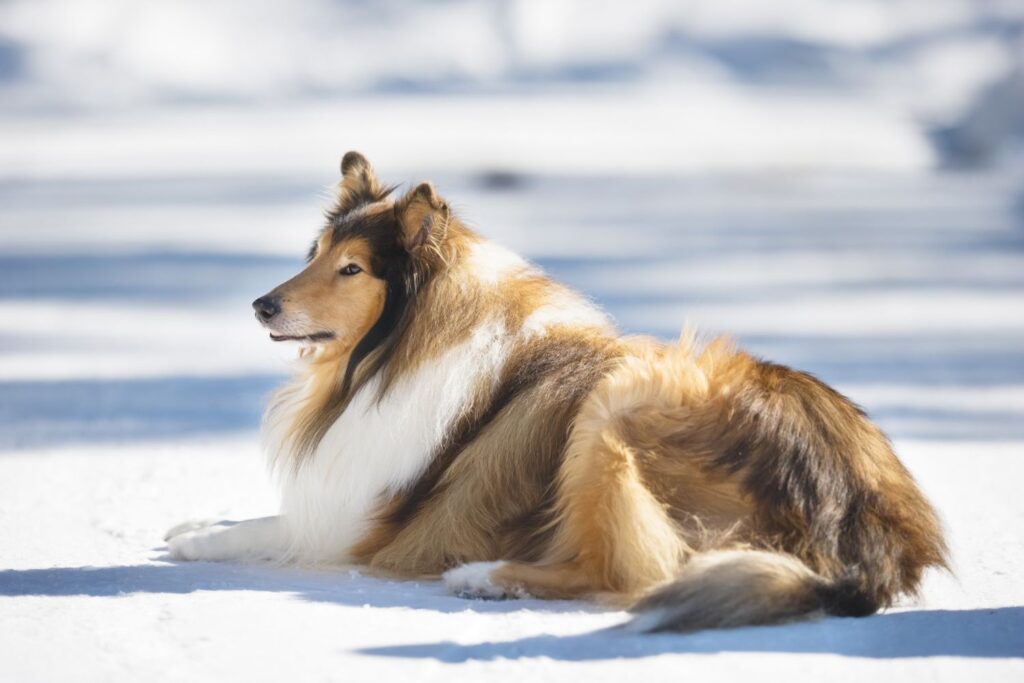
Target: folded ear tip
point(351, 161)
point(427, 192)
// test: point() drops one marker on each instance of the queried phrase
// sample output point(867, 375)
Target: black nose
point(266, 307)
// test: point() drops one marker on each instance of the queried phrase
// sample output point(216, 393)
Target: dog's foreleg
point(254, 539)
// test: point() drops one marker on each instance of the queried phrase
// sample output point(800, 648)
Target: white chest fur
point(377, 447)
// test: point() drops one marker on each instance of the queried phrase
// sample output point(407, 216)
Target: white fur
point(648, 622)
point(190, 525)
point(473, 580)
point(491, 263)
point(564, 309)
point(253, 539)
point(376, 448)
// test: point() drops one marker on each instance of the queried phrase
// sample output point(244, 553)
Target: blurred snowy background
point(738, 71)
point(837, 183)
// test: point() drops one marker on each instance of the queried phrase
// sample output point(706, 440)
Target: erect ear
point(359, 184)
point(422, 215)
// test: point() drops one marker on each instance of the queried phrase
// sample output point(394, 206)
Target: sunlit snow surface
point(132, 376)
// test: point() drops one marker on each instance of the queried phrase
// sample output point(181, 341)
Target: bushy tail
point(731, 588)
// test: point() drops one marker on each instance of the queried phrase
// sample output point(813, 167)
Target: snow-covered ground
point(762, 170)
point(132, 375)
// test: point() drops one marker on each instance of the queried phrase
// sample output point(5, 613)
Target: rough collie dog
point(454, 412)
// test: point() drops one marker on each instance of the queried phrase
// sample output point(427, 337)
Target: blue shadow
point(340, 588)
point(927, 633)
point(48, 413)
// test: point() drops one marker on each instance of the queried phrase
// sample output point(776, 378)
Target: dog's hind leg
point(612, 535)
point(253, 539)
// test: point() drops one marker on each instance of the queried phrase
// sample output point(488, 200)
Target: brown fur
point(719, 488)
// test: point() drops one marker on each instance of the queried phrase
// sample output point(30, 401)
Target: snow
point(773, 172)
point(133, 378)
point(690, 84)
point(640, 131)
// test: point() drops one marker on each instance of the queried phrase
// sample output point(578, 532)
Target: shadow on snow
point(47, 413)
point(924, 633)
point(339, 586)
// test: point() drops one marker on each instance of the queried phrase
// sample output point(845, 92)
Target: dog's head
point(362, 267)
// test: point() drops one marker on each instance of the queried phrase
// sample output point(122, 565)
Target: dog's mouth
point(315, 337)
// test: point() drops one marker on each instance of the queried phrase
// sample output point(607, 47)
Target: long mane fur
point(407, 275)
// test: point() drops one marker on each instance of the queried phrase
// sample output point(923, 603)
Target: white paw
point(199, 542)
point(473, 580)
point(184, 546)
point(191, 525)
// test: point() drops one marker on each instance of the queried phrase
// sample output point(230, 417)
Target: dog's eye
point(350, 269)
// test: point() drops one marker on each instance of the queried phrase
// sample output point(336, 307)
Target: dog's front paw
point(184, 545)
point(200, 541)
point(476, 580)
point(190, 525)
